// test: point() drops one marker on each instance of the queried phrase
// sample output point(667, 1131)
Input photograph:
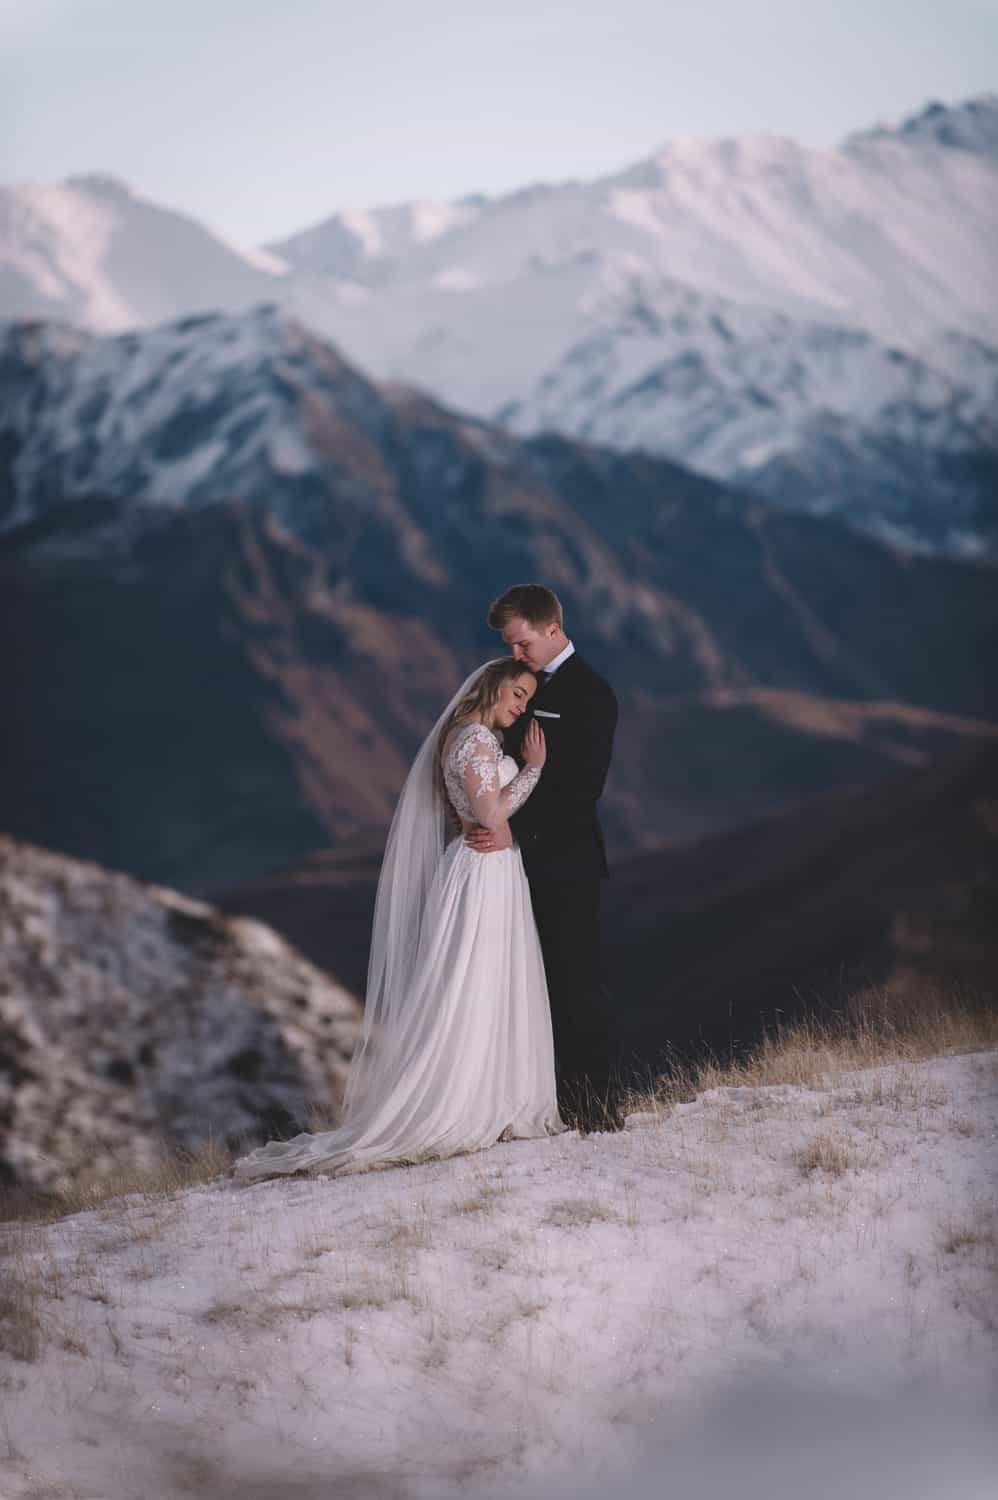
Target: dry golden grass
point(32, 1288)
point(176, 1170)
point(320, 1116)
point(378, 1287)
point(260, 1314)
point(978, 1232)
point(485, 1196)
point(417, 1236)
point(20, 1305)
point(874, 1027)
point(579, 1213)
point(826, 1153)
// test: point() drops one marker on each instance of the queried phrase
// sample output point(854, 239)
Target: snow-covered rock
point(136, 1018)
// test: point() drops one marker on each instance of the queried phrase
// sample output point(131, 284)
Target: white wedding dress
point(463, 1053)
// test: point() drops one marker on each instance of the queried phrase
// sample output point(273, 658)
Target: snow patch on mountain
point(373, 243)
point(819, 324)
point(890, 232)
point(183, 413)
point(90, 251)
point(778, 315)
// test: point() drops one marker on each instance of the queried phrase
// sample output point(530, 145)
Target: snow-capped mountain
point(372, 245)
point(970, 126)
point(817, 325)
point(893, 231)
point(784, 409)
point(199, 409)
point(242, 562)
point(90, 251)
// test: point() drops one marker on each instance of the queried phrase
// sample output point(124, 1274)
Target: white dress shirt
point(559, 660)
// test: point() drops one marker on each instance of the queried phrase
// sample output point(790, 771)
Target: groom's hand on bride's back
point(490, 840)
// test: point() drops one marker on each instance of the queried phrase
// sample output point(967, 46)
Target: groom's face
point(534, 645)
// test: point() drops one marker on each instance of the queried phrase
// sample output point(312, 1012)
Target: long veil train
point(413, 850)
point(456, 1042)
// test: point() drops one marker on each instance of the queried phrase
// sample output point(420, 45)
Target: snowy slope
point(90, 251)
point(225, 405)
point(893, 231)
point(818, 325)
point(769, 1292)
point(187, 411)
point(737, 392)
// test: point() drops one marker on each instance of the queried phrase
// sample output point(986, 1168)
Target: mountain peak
point(102, 184)
point(723, 156)
point(971, 125)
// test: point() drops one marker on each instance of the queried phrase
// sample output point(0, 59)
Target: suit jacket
point(557, 828)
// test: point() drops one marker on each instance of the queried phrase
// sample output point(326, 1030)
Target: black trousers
point(567, 913)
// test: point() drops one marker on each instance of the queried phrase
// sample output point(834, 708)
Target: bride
point(456, 1050)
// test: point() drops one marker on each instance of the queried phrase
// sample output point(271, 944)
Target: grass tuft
point(177, 1170)
point(579, 1213)
point(977, 1234)
point(826, 1153)
point(20, 1308)
point(874, 1027)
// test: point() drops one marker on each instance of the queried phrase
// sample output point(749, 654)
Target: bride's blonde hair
point(479, 702)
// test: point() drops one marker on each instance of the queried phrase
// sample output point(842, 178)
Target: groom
point(561, 841)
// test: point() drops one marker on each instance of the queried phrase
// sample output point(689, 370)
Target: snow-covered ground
point(769, 1291)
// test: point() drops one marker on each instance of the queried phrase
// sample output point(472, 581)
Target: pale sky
point(261, 117)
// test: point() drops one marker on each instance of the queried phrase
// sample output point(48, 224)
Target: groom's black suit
point(561, 841)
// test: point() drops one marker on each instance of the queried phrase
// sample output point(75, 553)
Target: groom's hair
point(526, 601)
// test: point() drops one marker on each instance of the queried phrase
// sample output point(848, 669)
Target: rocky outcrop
point(134, 1019)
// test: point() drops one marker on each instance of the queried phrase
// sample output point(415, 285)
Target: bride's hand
point(535, 748)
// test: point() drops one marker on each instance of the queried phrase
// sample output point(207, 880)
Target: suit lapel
point(552, 692)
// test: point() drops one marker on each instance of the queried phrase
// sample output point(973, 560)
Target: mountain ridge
point(247, 662)
point(815, 325)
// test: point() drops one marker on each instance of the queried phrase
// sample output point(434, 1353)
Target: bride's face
point(514, 698)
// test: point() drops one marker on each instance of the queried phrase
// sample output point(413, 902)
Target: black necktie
point(543, 678)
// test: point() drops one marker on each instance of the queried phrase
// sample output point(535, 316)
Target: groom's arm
point(597, 746)
point(490, 840)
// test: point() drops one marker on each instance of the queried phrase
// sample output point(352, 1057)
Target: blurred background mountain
point(818, 327)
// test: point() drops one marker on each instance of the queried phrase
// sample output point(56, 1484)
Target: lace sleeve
point(513, 796)
point(477, 757)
